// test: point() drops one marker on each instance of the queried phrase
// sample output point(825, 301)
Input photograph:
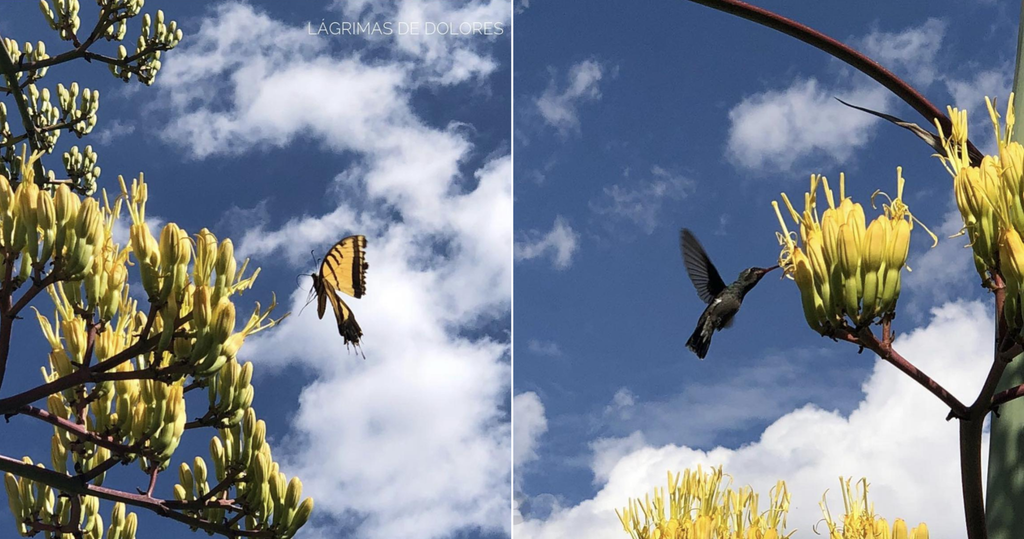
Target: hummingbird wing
point(702, 272)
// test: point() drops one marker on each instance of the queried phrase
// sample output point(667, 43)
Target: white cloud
point(544, 348)
point(970, 93)
point(114, 131)
point(419, 432)
point(773, 130)
point(451, 58)
point(910, 52)
point(529, 425)
point(940, 273)
point(562, 242)
point(559, 107)
point(640, 202)
point(810, 447)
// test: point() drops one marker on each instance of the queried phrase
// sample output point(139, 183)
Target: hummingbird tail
point(700, 341)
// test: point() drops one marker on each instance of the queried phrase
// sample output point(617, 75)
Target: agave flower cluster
point(142, 360)
point(28, 499)
point(699, 507)
point(990, 197)
point(241, 453)
point(63, 17)
point(860, 521)
point(848, 271)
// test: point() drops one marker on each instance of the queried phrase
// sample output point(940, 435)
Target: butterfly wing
point(702, 272)
point(321, 296)
point(343, 270)
point(344, 266)
point(347, 325)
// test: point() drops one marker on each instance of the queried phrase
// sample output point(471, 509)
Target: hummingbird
point(723, 301)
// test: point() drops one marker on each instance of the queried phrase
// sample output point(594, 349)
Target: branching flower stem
point(884, 349)
point(972, 418)
point(9, 309)
point(75, 487)
point(83, 376)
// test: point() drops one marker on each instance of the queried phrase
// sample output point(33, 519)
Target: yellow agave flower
point(990, 197)
point(699, 507)
point(860, 521)
point(843, 266)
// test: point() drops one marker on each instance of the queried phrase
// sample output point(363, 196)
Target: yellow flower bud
point(294, 493)
point(814, 310)
point(46, 218)
point(66, 204)
point(899, 529)
point(76, 339)
point(200, 470)
point(90, 222)
point(201, 309)
point(899, 244)
point(27, 197)
point(169, 238)
point(226, 265)
point(185, 477)
point(148, 254)
point(882, 530)
point(875, 243)
point(206, 256)
point(849, 253)
point(302, 514)
point(6, 195)
point(1011, 256)
point(223, 320)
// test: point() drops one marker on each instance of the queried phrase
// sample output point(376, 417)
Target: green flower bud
point(225, 267)
point(47, 223)
point(6, 195)
point(301, 516)
point(89, 225)
point(185, 477)
point(201, 310)
point(217, 454)
point(200, 470)
point(75, 337)
point(294, 493)
point(148, 254)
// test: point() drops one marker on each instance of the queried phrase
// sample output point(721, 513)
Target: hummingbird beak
point(764, 271)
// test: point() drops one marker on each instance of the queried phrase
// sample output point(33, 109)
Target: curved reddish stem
point(843, 52)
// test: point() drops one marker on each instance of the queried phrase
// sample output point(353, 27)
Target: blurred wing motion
point(343, 270)
point(702, 272)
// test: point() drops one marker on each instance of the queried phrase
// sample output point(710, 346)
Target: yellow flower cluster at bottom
point(700, 507)
point(860, 521)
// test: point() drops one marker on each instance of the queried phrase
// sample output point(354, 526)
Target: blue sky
point(630, 124)
point(286, 142)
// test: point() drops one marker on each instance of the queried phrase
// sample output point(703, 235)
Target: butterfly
point(343, 270)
